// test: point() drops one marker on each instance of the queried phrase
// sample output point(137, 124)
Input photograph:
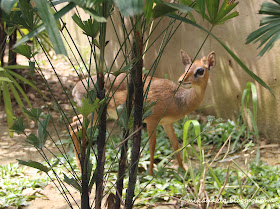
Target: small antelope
point(187, 99)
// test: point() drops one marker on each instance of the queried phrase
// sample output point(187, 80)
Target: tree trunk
point(101, 139)
point(123, 158)
point(136, 74)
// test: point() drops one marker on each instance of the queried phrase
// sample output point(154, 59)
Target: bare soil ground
point(15, 148)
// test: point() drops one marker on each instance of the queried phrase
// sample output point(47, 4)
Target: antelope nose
point(180, 80)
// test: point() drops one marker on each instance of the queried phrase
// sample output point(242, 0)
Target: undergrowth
point(13, 186)
point(225, 182)
point(256, 185)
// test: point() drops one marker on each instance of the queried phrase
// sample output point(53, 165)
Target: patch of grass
point(257, 185)
point(215, 131)
point(13, 183)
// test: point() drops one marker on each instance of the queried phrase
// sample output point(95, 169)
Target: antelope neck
point(189, 99)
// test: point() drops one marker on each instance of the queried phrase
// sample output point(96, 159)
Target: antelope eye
point(199, 72)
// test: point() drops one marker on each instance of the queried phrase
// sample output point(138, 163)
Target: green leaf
point(15, 67)
point(34, 164)
point(88, 6)
point(233, 55)
point(163, 8)
point(7, 5)
point(95, 15)
point(19, 89)
point(269, 32)
point(148, 8)
point(17, 98)
point(269, 19)
point(212, 8)
point(261, 31)
point(88, 108)
point(197, 132)
point(201, 7)
point(92, 180)
point(90, 27)
point(122, 115)
point(18, 126)
point(224, 11)
point(270, 43)
point(32, 67)
point(10, 30)
point(23, 80)
point(5, 79)
point(40, 28)
point(270, 8)
point(27, 14)
point(33, 140)
point(72, 182)
point(187, 2)
point(42, 130)
point(48, 18)
point(24, 50)
point(8, 105)
point(130, 7)
point(230, 16)
point(124, 70)
point(34, 113)
point(179, 7)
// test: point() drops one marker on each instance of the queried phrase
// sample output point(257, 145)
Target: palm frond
point(269, 31)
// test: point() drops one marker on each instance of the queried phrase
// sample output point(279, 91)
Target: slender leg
point(174, 142)
point(152, 141)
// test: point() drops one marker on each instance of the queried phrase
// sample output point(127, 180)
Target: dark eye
point(199, 72)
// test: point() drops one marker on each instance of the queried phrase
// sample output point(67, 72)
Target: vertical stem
point(2, 40)
point(123, 157)
point(12, 60)
point(102, 113)
point(84, 163)
point(136, 74)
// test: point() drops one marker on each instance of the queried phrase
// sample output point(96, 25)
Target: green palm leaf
point(48, 18)
point(269, 32)
point(7, 5)
point(8, 105)
point(16, 84)
point(214, 12)
point(40, 28)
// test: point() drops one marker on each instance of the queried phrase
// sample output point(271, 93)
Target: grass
point(14, 183)
point(224, 179)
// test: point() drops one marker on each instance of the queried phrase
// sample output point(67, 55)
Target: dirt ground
point(15, 148)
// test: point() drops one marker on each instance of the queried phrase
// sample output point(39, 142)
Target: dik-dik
point(186, 99)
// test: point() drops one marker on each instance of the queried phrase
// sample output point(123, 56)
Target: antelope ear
point(211, 58)
point(186, 59)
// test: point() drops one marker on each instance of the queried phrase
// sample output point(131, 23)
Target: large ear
point(186, 59)
point(211, 60)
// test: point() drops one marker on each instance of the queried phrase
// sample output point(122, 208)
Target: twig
point(128, 137)
point(224, 185)
point(217, 155)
